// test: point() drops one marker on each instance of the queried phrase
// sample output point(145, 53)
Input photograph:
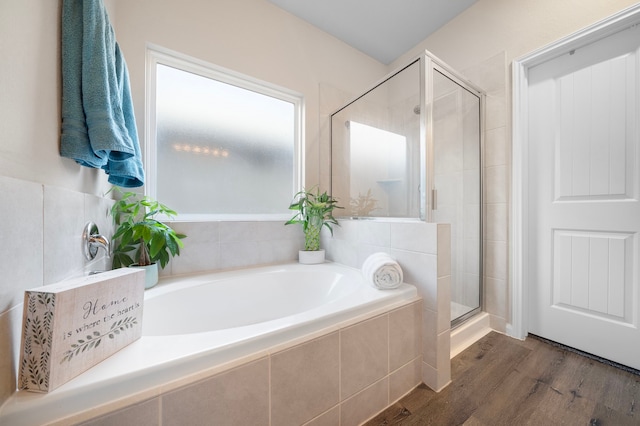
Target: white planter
point(150, 274)
point(311, 257)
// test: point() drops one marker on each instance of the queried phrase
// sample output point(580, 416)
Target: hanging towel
point(98, 122)
point(382, 272)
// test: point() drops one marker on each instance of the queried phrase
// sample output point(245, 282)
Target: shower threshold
point(469, 332)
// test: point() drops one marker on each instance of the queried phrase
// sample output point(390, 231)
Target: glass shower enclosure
point(411, 148)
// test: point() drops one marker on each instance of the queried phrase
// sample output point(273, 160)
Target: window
point(220, 143)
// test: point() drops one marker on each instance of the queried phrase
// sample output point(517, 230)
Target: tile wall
point(40, 243)
point(41, 231)
point(226, 245)
point(423, 250)
point(344, 377)
point(491, 76)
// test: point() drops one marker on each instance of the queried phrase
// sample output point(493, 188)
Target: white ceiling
point(383, 29)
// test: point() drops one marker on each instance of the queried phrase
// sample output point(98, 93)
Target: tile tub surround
point(48, 216)
point(423, 250)
point(40, 230)
point(345, 377)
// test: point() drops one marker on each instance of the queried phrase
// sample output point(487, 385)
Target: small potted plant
point(313, 211)
point(140, 239)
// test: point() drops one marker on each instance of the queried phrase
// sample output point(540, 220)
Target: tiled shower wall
point(491, 76)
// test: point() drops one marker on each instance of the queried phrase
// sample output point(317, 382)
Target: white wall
point(30, 84)
point(252, 37)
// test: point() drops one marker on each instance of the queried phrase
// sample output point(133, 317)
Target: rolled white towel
point(382, 272)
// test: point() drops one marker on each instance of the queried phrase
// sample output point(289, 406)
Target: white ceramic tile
point(196, 256)
point(10, 334)
point(64, 221)
point(238, 231)
point(203, 232)
point(405, 334)
point(277, 251)
point(420, 270)
point(329, 418)
point(21, 233)
point(365, 404)
point(364, 355)
point(496, 109)
point(496, 185)
point(495, 147)
point(305, 380)
point(146, 413)
point(444, 304)
point(238, 254)
point(445, 251)
point(429, 337)
point(495, 291)
point(498, 324)
point(404, 379)
point(345, 252)
point(276, 230)
point(348, 230)
point(374, 233)
point(444, 358)
point(430, 376)
point(237, 397)
point(419, 236)
point(497, 222)
point(366, 250)
point(201, 251)
point(496, 259)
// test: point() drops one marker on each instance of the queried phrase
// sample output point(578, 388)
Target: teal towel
point(98, 121)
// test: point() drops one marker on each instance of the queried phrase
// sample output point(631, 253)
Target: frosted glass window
point(222, 148)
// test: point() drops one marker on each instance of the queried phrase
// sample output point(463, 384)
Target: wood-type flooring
point(504, 381)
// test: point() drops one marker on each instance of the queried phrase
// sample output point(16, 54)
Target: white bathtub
point(197, 323)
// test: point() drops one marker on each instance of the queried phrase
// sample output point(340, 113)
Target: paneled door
point(584, 192)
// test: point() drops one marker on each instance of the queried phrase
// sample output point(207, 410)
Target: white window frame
point(159, 55)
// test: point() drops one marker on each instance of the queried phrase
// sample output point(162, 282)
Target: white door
point(584, 187)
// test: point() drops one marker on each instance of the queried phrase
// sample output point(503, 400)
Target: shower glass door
point(419, 129)
point(456, 136)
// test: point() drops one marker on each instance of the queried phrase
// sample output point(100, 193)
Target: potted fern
point(140, 239)
point(313, 210)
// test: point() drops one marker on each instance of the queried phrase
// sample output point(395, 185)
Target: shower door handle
point(434, 199)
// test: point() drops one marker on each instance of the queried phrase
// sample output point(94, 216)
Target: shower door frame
point(428, 196)
point(431, 63)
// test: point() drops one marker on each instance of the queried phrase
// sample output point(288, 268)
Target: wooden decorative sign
point(70, 326)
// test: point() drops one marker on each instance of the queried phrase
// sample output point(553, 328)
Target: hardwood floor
point(504, 381)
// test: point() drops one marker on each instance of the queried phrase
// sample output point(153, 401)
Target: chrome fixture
point(93, 240)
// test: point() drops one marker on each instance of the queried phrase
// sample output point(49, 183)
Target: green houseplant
point(140, 239)
point(313, 210)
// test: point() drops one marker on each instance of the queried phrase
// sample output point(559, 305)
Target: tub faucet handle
point(93, 240)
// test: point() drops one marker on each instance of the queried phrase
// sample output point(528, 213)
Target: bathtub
point(200, 324)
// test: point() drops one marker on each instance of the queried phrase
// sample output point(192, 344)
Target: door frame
point(519, 253)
